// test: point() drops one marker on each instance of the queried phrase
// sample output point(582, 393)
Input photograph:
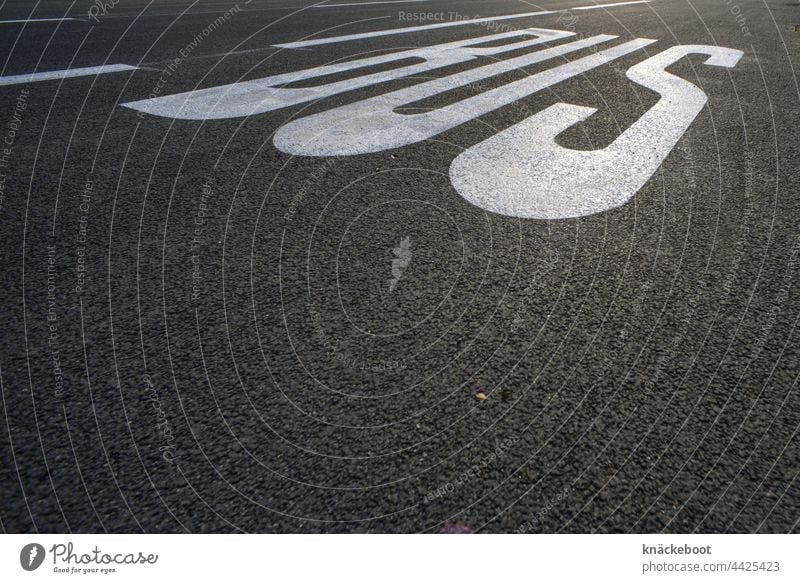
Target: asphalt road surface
point(529, 281)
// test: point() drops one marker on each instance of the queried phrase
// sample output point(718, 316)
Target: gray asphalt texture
point(254, 372)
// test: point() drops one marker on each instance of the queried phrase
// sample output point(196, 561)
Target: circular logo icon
point(31, 556)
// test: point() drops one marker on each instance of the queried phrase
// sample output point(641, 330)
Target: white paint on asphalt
point(65, 74)
point(268, 94)
point(593, 6)
point(368, 3)
point(379, 33)
point(373, 125)
point(522, 172)
point(36, 20)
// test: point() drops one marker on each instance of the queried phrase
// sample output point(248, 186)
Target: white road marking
point(593, 6)
point(367, 3)
point(378, 33)
point(373, 125)
point(267, 94)
point(66, 73)
point(36, 20)
point(522, 172)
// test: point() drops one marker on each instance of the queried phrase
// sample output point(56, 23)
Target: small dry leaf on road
point(481, 396)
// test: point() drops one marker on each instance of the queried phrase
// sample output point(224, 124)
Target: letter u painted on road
point(522, 172)
point(374, 125)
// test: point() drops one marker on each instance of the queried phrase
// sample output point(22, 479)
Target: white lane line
point(362, 35)
point(66, 73)
point(36, 20)
point(268, 94)
point(368, 3)
point(593, 6)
